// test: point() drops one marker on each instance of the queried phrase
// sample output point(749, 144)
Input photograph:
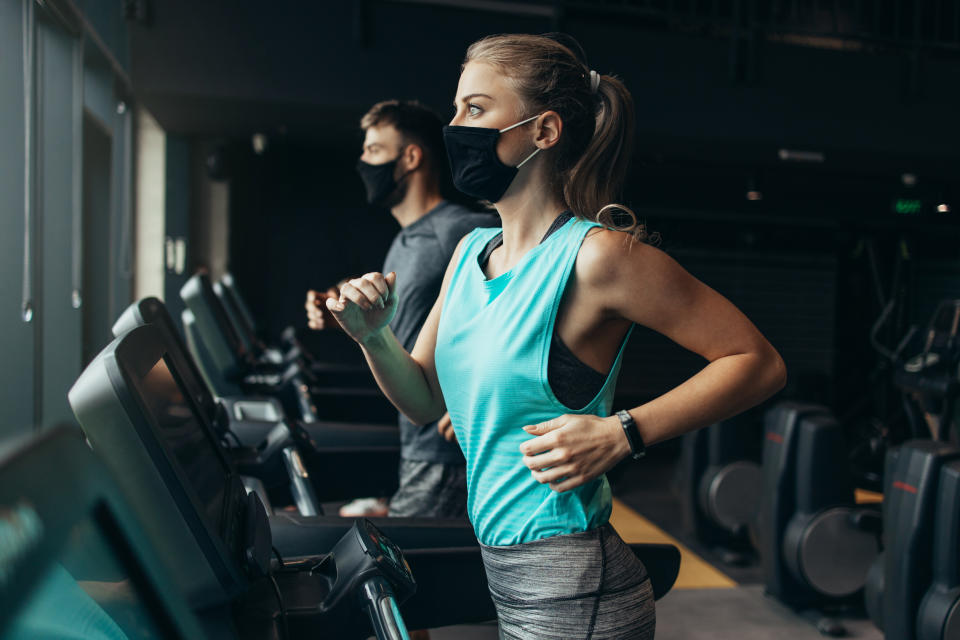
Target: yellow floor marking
point(695, 572)
point(862, 496)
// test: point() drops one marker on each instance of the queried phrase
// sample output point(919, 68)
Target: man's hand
point(318, 316)
point(445, 428)
point(571, 450)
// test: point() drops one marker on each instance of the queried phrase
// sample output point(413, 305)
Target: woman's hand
point(571, 450)
point(366, 305)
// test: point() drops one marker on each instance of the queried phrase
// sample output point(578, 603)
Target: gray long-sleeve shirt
point(420, 254)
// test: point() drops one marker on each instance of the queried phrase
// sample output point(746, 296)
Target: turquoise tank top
point(491, 357)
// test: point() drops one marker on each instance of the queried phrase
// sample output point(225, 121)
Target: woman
point(523, 345)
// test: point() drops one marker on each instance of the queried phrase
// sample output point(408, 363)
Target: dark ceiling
point(309, 70)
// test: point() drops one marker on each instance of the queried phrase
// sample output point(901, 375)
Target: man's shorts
point(430, 490)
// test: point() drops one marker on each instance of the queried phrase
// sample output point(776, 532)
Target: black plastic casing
point(939, 613)
point(779, 501)
point(909, 532)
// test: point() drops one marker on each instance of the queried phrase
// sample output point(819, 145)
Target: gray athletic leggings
point(586, 586)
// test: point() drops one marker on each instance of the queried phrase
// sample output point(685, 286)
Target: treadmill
point(76, 562)
point(351, 578)
point(296, 535)
point(231, 366)
point(299, 463)
point(342, 366)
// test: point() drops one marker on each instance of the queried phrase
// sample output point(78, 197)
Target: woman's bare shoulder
point(606, 256)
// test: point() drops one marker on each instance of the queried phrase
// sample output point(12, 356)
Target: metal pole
point(28, 31)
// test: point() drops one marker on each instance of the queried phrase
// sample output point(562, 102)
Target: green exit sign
point(907, 207)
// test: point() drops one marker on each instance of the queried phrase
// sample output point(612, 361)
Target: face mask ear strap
point(535, 152)
point(522, 122)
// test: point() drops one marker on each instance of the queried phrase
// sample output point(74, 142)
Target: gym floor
point(710, 600)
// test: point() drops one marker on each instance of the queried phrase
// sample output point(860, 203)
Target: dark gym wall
point(73, 82)
point(299, 221)
point(58, 152)
point(16, 376)
point(97, 155)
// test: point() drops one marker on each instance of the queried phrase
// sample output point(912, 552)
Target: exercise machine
point(930, 380)
point(217, 539)
point(938, 617)
point(330, 368)
point(720, 481)
point(816, 545)
point(900, 577)
point(76, 559)
point(231, 368)
point(307, 463)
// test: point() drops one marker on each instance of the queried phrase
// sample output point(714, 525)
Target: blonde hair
point(591, 159)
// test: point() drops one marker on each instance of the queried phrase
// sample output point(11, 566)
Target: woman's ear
point(549, 128)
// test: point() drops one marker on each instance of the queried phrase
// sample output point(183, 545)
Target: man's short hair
point(417, 125)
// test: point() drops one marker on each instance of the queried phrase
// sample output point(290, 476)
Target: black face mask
point(378, 180)
point(476, 169)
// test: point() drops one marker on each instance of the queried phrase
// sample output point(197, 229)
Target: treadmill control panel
point(385, 554)
point(362, 554)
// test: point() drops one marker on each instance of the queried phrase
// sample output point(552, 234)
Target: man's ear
point(412, 156)
point(549, 128)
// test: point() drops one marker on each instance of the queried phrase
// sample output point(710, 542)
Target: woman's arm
point(409, 380)
point(642, 284)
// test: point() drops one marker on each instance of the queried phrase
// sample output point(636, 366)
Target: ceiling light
point(792, 155)
point(259, 142)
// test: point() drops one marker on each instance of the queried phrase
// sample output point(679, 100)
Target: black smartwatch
point(637, 448)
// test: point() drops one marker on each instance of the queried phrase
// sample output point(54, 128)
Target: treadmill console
point(142, 419)
point(366, 568)
point(386, 556)
point(360, 555)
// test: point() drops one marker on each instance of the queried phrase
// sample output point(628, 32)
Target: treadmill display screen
point(187, 438)
point(386, 547)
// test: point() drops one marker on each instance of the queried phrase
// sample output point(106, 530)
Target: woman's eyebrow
point(474, 95)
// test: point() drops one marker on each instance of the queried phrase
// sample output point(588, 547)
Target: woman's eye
point(474, 110)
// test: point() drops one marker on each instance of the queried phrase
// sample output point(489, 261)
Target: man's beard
point(397, 195)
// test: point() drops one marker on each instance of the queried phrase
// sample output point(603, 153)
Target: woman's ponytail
point(594, 183)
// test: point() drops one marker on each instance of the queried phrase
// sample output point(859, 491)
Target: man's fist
point(445, 427)
point(318, 316)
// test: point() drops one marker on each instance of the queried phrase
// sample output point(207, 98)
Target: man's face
point(381, 144)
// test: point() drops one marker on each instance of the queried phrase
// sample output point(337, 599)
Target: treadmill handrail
point(383, 610)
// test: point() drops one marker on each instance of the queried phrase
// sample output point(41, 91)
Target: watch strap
point(630, 430)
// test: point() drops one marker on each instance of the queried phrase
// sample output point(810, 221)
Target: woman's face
point(486, 99)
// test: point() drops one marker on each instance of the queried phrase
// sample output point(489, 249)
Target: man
point(404, 168)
